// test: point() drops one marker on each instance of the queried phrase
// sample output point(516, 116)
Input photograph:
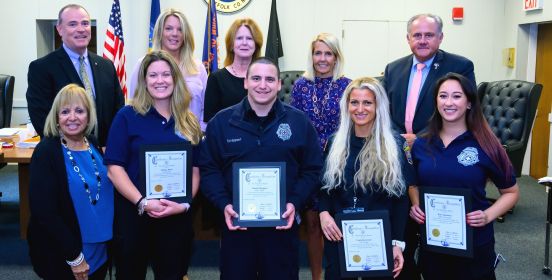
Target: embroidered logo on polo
point(284, 131)
point(468, 156)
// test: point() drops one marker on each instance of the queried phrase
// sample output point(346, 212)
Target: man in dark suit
point(72, 63)
point(424, 36)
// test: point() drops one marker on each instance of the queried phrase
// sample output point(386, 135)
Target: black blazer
point(47, 75)
point(397, 74)
point(53, 234)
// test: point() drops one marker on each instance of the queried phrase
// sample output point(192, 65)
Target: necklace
point(77, 170)
point(234, 71)
point(317, 108)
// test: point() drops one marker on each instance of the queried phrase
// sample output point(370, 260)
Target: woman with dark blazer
point(71, 198)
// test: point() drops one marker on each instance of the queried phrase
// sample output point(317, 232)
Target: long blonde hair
point(185, 59)
point(185, 121)
point(378, 158)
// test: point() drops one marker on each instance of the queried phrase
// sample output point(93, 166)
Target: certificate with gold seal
point(445, 228)
point(259, 193)
point(366, 248)
point(165, 171)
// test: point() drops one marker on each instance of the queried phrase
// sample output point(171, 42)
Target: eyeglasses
point(419, 36)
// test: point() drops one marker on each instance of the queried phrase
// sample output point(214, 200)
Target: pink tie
point(413, 98)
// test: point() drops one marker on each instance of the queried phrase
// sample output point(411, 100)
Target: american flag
point(114, 46)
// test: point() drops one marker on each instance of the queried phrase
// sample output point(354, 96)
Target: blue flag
point(210, 44)
point(154, 14)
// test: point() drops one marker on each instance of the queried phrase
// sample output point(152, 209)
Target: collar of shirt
point(425, 71)
point(251, 116)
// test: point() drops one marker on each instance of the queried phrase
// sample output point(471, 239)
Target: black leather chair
point(6, 102)
point(510, 108)
point(6, 99)
point(288, 79)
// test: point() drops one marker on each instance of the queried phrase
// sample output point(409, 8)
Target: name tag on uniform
point(350, 210)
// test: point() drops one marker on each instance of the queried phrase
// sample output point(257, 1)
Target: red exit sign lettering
point(530, 5)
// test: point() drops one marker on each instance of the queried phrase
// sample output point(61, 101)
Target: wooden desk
point(23, 159)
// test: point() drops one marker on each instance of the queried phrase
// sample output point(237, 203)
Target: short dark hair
point(263, 60)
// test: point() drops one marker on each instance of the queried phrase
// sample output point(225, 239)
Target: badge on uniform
point(407, 152)
point(284, 131)
point(469, 156)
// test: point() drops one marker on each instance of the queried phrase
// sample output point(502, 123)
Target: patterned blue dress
point(319, 99)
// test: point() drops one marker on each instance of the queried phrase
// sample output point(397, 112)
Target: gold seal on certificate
point(166, 172)
point(259, 192)
point(445, 228)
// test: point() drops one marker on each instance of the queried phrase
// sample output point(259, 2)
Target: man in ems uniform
point(260, 129)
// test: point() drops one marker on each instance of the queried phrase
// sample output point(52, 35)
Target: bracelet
point(400, 244)
point(142, 203)
point(139, 200)
point(77, 261)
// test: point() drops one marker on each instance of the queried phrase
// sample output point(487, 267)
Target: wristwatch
point(399, 244)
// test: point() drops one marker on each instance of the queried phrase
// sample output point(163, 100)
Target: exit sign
point(530, 5)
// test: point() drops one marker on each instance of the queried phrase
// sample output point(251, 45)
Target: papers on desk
point(545, 180)
point(8, 131)
point(28, 143)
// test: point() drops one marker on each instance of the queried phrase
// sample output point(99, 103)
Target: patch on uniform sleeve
point(468, 156)
point(284, 131)
point(407, 152)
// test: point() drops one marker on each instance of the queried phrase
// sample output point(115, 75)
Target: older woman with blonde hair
point(244, 41)
point(365, 169)
point(317, 94)
point(70, 196)
point(172, 33)
point(159, 114)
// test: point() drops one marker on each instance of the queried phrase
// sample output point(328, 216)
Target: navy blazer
point(397, 75)
point(47, 75)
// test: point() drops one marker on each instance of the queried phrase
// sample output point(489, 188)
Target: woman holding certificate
point(70, 196)
point(365, 170)
point(460, 151)
point(152, 230)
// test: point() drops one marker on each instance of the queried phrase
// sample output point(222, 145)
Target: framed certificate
point(259, 190)
point(166, 171)
point(366, 248)
point(445, 229)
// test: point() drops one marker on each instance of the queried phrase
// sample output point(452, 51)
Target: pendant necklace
point(77, 170)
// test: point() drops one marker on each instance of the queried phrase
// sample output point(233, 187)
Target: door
point(369, 57)
point(541, 130)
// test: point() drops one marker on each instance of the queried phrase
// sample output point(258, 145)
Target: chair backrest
point(6, 99)
point(510, 108)
point(288, 79)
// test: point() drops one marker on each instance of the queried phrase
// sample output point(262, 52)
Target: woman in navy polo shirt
point(459, 150)
point(365, 170)
point(159, 114)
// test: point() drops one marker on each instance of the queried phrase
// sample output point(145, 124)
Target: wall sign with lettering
point(230, 6)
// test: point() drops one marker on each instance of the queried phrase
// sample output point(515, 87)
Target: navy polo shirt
point(130, 130)
point(463, 164)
